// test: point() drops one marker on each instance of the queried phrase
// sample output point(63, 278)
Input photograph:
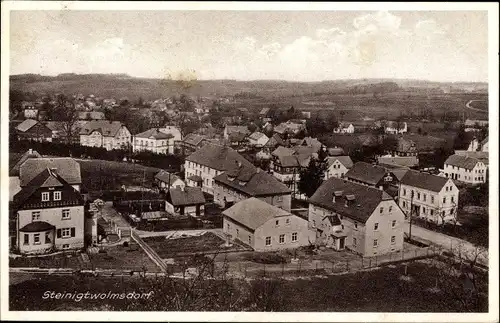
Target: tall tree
point(65, 112)
point(311, 177)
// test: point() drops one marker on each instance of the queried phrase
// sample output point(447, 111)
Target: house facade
point(286, 169)
point(50, 214)
point(258, 139)
point(191, 143)
point(265, 227)
point(14, 181)
point(33, 130)
point(394, 128)
point(363, 219)
point(344, 128)
point(105, 134)
point(433, 198)
point(239, 184)
point(166, 180)
point(337, 166)
point(371, 175)
point(228, 130)
point(153, 140)
point(175, 140)
point(466, 169)
point(185, 201)
point(210, 161)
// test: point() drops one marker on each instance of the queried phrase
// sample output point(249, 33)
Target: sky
point(253, 45)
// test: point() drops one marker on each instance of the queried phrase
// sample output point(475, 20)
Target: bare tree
point(68, 116)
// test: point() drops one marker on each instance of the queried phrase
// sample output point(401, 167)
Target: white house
point(431, 197)
point(363, 219)
point(466, 169)
point(153, 140)
point(484, 145)
point(176, 137)
point(166, 180)
point(258, 139)
point(474, 145)
point(265, 227)
point(344, 128)
point(337, 166)
point(474, 125)
point(106, 134)
point(392, 127)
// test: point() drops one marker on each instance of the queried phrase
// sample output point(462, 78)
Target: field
point(381, 290)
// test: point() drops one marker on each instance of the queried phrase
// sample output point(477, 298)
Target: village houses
point(258, 139)
point(265, 227)
point(33, 130)
point(165, 180)
point(466, 168)
point(14, 181)
point(337, 166)
point(185, 200)
point(430, 197)
point(228, 130)
point(372, 175)
point(152, 140)
point(363, 219)
point(344, 127)
point(211, 160)
point(106, 134)
point(244, 182)
point(393, 127)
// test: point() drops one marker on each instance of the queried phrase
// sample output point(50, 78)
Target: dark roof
point(406, 145)
point(303, 150)
point(218, 157)
point(91, 115)
point(337, 151)
point(282, 151)
point(154, 133)
point(165, 176)
point(37, 226)
point(426, 181)
point(242, 129)
point(193, 139)
point(106, 128)
point(237, 136)
point(14, 171)
point(405, 161)
point(257, 182)
point(252, 212)
point(196, 178)
point(185, 197)
point(274, 141)
point(345, 160)
point(366, 198)
point(480, 155)
point(462, 161)
point(67, 168)
point(366, 173)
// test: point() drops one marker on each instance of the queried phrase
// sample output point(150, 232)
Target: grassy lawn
point(167, 248)
point(368, 291)
point(111, 175)
point(120, 257)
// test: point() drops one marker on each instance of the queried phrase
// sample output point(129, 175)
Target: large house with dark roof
point(33, 130)
point(265, 227)
point(468, 167)
point(191, 143)
point(185, 201)
point(14, 181)
point(106, 134)
point(245, 182)
point(361, 218)
point(431, 197)
point(153, 140)
point(49, 207)
point(210, 161)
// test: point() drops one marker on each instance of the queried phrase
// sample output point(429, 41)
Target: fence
point(149, 251)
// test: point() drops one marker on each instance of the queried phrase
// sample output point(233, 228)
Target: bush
point(267, 258)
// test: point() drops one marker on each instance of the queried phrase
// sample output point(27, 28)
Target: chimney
point(30, 151)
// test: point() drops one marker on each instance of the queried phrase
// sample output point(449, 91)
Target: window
point(314, 223)
point(446, 188)
point(432, 212)
point(375, 227)
point(393, 239)
point(36, 238)
point(45, 196)
point(444, 199)
point(65, 214)
point(268, 241)
point(354, 241)
point(425, 197)
point(65, 246)
point(277, 223)
point(432, 199)
point(404, 191)
point(287, 221)
point(249, 239)
point(294, 236)
point(356, 224)
point(47, 237)
point(451, 211)
point(280, 198)
point(57, 196)
point(404, 204)
point(375, 242)
point(35, 215)
point(381, 210)
point(237, 231)
point(66, 233)
point(452, 199)
point(26, 239)
point(390, 209)
point(418, 196)
point(282, 238)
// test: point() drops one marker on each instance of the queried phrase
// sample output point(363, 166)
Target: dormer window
point(230, 178)
point(45, 196)
point(243, 183)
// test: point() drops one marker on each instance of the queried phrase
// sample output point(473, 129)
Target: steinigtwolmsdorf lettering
point(307, 166)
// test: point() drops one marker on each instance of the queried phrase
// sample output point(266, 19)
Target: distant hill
point(123, 85)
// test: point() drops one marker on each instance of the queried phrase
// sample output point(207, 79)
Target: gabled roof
point(305, 150)
point(480, 155)
point(237, 136)
point(264, 111)
point(194, 139)
point(257, 135)
point(366, 198)
point(44, 179)
point(218, 157)
point(425, 181)
point(344, 160)
point(91, 115)
point(366, 173)
point(462, 161)
point(106, 128)
point(67, 168)
point(154, 133)
point(252, 212)
point(405, 161)
point(337, 151)
point(185, 197)
point(274, 141)
point(165, 176)
point(14, 171)
point(282, 151)
point(256, 182)
point(26, 125)
point(242, 129)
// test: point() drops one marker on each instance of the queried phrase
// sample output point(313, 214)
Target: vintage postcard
point(239, 161)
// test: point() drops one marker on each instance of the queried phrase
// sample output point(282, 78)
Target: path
point(467, 105)
point(447, 242)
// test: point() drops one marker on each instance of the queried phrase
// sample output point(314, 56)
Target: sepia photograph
point(251, 160)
